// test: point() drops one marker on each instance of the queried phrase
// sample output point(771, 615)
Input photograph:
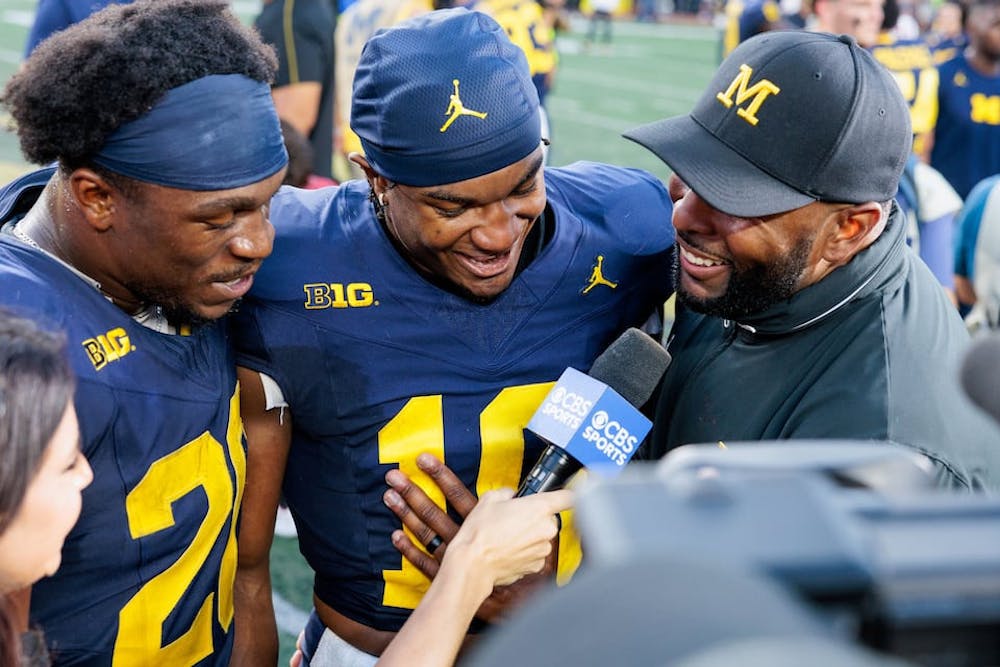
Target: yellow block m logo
point(758, 92)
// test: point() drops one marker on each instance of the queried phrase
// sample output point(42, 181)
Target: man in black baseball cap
point(801, 311)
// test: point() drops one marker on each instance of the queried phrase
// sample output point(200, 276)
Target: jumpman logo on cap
point(456, 109)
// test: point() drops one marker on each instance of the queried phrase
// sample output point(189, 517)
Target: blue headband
point(214, 133)
point(442, 98)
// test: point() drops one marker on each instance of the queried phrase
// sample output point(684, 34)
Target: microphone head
point(981, 374)
point(632, 366)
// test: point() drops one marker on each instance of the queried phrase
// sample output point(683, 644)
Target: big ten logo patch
point(338, 295)
point(107, 347)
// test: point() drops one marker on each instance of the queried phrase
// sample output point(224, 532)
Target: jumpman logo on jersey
point(456, 109)
point(597, 277)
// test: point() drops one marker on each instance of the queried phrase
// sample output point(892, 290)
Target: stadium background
point(649, 71)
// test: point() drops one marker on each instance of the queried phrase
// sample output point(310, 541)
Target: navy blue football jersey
point(967, 139)
point(912, 65)
point(378, 365)
point(147, 573)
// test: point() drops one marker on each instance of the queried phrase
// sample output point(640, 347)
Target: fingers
point(535, 517)
point(296, 658)
point(552, 559)
point(416, 510)
point(421, 532)
point(456, 493)
point(423, 562)
point(550, 502)
point(513, 534)
point(511, 537)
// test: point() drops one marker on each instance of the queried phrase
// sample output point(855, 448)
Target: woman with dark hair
point(42, 471)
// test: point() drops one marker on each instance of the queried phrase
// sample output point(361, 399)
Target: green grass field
point(647, 72)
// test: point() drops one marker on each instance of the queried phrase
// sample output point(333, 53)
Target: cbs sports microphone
point(591, 419)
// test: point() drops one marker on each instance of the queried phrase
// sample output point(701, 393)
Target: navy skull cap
point(444, 97)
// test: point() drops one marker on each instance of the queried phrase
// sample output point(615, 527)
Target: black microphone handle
point(551, 472)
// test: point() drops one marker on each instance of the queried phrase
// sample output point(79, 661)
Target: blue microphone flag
point(591, 422)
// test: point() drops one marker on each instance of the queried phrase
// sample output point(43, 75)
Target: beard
point(751, 289)
point(171, 304)
point(991, 51)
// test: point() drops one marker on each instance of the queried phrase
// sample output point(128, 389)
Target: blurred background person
point(55, 15)
point(647, 11)
point(977, 256)
point(862, 19)
point(355, 25)
point(533, 31)
point(946, 36)
point(300, 161)
point(927, 201)
point(912, 65)
point(967, 135)
point(929, 205)
point(42, 473)
point(906, 25)
point(301, 32)
point(746, 18)
point(600, 19)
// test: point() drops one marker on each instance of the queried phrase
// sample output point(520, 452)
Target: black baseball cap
point(789, 118)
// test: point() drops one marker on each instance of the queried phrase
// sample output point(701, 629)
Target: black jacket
point(871, 351)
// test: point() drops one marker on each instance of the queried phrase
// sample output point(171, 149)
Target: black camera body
point(845, 545)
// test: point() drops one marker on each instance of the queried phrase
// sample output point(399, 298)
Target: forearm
point(298, 103)
point(444, 614)
point(964, 290)
point(268, 439)
point(256, 638)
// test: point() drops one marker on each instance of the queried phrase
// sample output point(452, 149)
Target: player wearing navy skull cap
point(802, 313)
point(428, 308)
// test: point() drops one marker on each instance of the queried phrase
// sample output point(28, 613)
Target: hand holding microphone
point(586, 420)
point(591, 419)
point(431, 526)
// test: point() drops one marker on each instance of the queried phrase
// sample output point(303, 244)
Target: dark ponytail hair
point(36, 385)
